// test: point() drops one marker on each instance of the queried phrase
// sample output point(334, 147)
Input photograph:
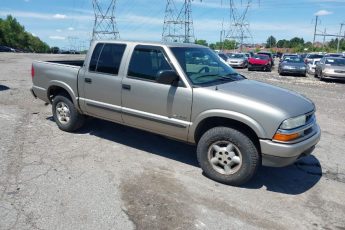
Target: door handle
point(126, 87)
point(88, 80)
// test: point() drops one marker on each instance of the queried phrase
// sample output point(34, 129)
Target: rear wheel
point(228, 156)
point(65, 114)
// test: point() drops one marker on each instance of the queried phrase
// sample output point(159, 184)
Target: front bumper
point(258, 67)
point(279, 154)
point(293, 71)
point(243, 64)
point(334, 75)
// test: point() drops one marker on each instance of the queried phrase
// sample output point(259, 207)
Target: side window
point(95, 56)
point(146, 63)
point(110, 58)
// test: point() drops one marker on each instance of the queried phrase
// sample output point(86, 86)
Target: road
point(107, 176)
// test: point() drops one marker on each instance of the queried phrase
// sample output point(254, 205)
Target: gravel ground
point(107, 176)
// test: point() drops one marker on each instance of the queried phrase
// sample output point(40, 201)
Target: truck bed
point(69, 62)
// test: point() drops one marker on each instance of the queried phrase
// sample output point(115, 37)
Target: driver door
point(146, 104)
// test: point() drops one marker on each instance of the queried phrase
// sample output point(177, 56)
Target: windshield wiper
point(206, 75)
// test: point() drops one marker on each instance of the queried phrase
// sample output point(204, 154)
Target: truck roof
point(153, 43)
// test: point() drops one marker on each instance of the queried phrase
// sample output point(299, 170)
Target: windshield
point(334, 61)
point(264, 53)
point(261, 57)
point(236, 56)
point(203, 67)
point(293, 59)
point(313, 56)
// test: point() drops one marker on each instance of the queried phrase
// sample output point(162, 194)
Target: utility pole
point(339, 38)
point(324, 39)
point(105, 21)
point(316, 21)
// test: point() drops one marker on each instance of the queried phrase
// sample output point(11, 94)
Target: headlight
point(295, 122)
point(302, 67)
point(284, 134)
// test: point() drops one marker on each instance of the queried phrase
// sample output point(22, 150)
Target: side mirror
point(167, 77)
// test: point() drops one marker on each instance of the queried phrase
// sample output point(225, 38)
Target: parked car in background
point(223, 56)
point(311, 66)
point(6, 49)
point(248, 55)
point(259, 62)
point(312, 56)
point(330, 67)
point(334, 55)
point(269, 54)
point(292, 65)
point(238, 60)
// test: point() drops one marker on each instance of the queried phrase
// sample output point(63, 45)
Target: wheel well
point(212, 122)
point(57, 90)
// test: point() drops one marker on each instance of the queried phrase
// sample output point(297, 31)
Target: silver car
point(238, 60)
point(311, 65)
point(330, 67)
point(292, 65)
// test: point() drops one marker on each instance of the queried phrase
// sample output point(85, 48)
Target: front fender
point(254, 125)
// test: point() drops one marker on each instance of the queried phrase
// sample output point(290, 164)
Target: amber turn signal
point(285, 137)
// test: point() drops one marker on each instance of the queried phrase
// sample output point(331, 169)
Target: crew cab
point(185, 92)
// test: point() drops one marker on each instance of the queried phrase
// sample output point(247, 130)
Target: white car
point(311, 65)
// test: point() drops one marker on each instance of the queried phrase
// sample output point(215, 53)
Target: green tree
point(13, 34)
point(283, 43)
point(201, 42)
point(271, 42)
point(296, 42)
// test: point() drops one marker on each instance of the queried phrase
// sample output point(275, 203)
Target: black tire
point(76, 120)
point(250, 158)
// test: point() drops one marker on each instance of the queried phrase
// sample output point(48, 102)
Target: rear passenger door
point(149, 105)
point(102, 82)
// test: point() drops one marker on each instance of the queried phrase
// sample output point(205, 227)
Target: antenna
point(105, 22)
point(239, 27)
point(178, 25)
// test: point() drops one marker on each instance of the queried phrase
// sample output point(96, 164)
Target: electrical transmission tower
point(105, 21)
point(239, 30)
point(178, 24)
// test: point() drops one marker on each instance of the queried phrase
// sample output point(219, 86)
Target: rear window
point(95, 56)
point(107, 58)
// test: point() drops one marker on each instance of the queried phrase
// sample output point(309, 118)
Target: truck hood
point(263, 95)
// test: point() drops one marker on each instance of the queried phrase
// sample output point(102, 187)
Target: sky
point(69, 23)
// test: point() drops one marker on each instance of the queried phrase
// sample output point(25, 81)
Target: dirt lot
point(108, 176)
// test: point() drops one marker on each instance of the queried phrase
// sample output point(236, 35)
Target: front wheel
point(65, 114)
point(228, 156)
